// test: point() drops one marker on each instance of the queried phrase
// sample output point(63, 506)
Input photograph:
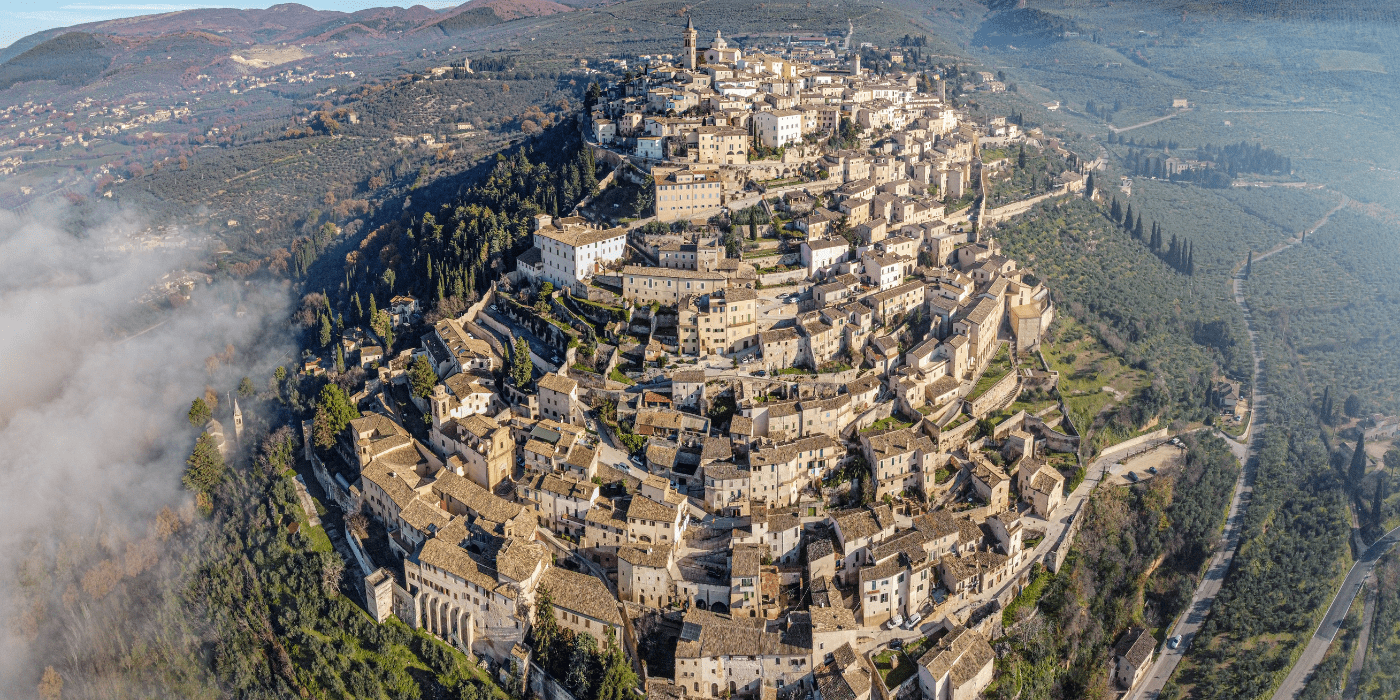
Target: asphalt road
point(1189, 624)
point(1332, 622)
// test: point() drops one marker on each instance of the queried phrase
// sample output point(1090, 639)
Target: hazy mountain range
point(291, 23)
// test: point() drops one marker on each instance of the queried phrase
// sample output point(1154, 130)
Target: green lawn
point(618, 376)
point(890, 423)
point(794, 370)
point(998, 368)
point(749, 255)
point(320, 541)
point(1031, 407)
point(894, 676)
point(1086, 366)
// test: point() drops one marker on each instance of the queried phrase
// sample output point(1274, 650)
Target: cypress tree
point(1358, 463)
point(1115, 212)
point(1191, 262)
point(1249, 264)
point(1325, 407)
point(1137, 230)
point(1128, 218)
point(1378, 501)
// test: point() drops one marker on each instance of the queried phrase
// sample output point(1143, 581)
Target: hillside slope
point(73, 58)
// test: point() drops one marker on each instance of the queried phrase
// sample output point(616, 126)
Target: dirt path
point(1239, 298)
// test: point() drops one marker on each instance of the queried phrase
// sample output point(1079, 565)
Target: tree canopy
point(422, 376)
point(522, 368)
point(204, 468)
point(199, 413)
point(333, 412)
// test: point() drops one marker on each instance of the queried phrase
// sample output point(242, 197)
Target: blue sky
point(24, 17)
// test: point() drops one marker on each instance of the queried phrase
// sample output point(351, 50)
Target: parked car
point(1132, 476)
point(1151, 470)
point(896, 643)
point(896, 621)
point(1174, 642)
point(913, 621)
point(760, 373)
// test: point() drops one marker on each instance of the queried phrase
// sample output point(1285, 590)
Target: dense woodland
point(1219, 165)
point(1111, 579)
point(458, 251)
point(1289, 563)
point(1380, 676)
point(71, 59)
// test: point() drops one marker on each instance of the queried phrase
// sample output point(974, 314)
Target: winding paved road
point(1332, 622)
point(1189, 624)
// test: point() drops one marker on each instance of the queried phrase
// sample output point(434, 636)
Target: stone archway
point(718, 607)
point(700, 604)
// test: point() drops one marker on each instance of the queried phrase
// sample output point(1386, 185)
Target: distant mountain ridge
point(1296, 10)
point(294, 23)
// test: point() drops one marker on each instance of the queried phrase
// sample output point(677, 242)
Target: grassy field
point(1086, 367)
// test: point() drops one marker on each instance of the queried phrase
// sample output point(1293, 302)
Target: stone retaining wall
point(995, 395)
point(776, 278)
point(1127, 445)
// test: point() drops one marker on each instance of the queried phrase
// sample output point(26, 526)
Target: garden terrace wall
point(997, 394)
point(951, 440)
point(776, 278)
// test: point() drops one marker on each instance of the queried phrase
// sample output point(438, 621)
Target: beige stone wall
point(999, 393)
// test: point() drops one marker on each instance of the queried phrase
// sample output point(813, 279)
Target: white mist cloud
point(92, 429)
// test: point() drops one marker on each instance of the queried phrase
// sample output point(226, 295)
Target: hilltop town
point(758, 475)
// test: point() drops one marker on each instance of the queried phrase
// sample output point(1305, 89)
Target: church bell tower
point(689, 43)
